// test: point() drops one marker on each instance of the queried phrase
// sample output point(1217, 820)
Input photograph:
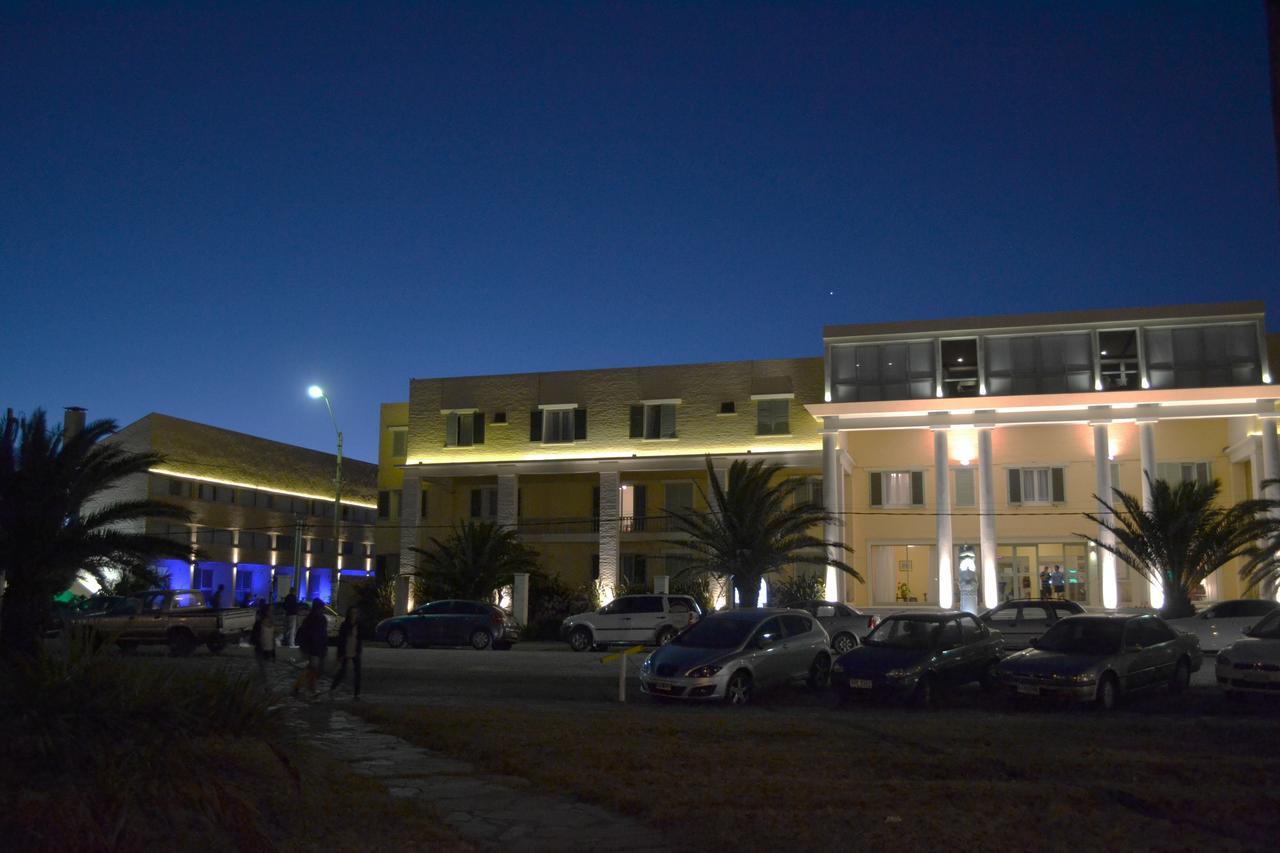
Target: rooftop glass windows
point(960, 367)
point(1039, 364)
point(1202, 356)
point(1118, 365)
point(891, 371)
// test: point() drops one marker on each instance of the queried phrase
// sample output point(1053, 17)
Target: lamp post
point(317, 393)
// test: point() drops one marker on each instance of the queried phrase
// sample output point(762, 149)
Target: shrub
point(802, 586)
point(698, 587)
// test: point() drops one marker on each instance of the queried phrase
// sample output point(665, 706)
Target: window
point(1039, 364)
point(384, 504)
point(1152, 632)
point(1036, 486)
point(201, 578)
point(1250, 609)
point(728, 408)
point(897, 488)
point(678, 497)
point(966, 487)
point(1036, 613)
point(768, 633)
point(484, 503)
point(1003, 615)
point(894, 371)
point(422, 504)
point(1118, 360)
point(653, 420)
point(950, 635)
point(796, 625)
point(283, 542)
point(1176, 473)
point(399, 442)
point(1202, 356)
point(632, 506)
point(179, 488)
point(970, 630)
point(463, 429)
point(246, 497)
point(499, 417)
point(635, 571)
point(773, 416)
point(558, 426)
point(960, 368)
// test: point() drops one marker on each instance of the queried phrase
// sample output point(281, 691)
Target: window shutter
point(875, 489)
point(595, 506)
point(638, 506)
point(1015, 485)
point(535, 425)
point(638, 573)
point(579, 424)
point(477, 428)
point(477, 497)
point(637, 421)
point(595, 567)
point(422, 505)
point(1059, 486)
point(668, 425)
point(384, 504)
point(917, 488)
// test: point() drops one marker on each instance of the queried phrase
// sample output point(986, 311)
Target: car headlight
point(1084, 678)
point(909, 672)
point(704, 671)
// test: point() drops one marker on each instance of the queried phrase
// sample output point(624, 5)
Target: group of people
point(311, 637)
point(1053, 584)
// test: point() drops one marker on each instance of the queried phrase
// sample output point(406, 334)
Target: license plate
point(661, 687)
point(1029, 689)
point(860, 683)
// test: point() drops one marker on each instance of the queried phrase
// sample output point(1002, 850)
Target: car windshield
point(1267, 628)
point(716, 634)
point(1083, 636)
point(904, 634)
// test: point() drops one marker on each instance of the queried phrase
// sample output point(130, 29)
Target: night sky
point(202, 211)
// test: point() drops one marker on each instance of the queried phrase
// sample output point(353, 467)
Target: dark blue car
point(914, 655)
point(452, 622)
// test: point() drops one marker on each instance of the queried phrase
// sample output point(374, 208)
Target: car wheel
point(665, 634)
point(481, 639)
point(988, 679)
point(738, 691)
point(1181, 678)
point(181, 643)
point(580, 639)
point(1108, 695)
point(819, 673)
point(926, 693)
point(397, 639)
point(843, 643)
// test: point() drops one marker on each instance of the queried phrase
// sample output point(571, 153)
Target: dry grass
point(716, 779)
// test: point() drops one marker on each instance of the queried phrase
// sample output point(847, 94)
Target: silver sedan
point(735, 654)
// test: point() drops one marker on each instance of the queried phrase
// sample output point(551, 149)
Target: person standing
point(263, 638)
point(290, 619)
point(1059, 582)
point(350, 650)
point(1046, 582)
point(216, 601)
point(313, 639)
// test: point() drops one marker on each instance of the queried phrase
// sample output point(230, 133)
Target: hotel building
point(940, 445)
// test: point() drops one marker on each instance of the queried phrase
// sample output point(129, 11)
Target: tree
point(475, 560)
point(56, 521)
point(1184, 538)
point(756, 526)
point(1263, 565)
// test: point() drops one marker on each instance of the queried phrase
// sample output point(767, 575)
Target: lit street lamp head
point(316, 392)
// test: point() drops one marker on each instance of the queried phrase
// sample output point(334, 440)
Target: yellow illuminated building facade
point(958, 455)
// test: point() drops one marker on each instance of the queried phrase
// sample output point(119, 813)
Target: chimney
point(72, 422)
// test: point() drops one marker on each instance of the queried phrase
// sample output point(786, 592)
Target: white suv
point(631, 619)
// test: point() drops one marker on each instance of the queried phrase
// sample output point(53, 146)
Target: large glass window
point(1118, 360)
point(960, 367)
point(903, 574)
point(773, 416)
point(462, 429)
point(1202, 356)
point(653, 420)
point(1176, 473)
point(897, 488)
point(1039, 364)
point(895, 371)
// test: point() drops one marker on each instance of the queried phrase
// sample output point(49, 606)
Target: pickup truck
point(179, 618)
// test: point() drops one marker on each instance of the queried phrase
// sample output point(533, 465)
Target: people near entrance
point(350, 650)
point(313, 639)
point(216, 601)
point(290, 619)
point(1046, 582)
point(1059, 581)
point(263, 638)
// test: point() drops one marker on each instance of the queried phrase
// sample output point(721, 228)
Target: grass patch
point(889, 779)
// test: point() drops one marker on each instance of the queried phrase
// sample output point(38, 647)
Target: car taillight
point(872, 621)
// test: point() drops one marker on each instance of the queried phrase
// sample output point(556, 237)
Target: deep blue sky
point(202, 211)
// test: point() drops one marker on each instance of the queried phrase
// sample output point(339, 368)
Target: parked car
point(1252, 663)
point(631, 619)
point(451, 622)
point(915, 655)
point(332, 619)
point(1022, 620)
point(846, 626)
point(1224, 623)
point(1102, 659)
point(179, 618)
point(735, 654)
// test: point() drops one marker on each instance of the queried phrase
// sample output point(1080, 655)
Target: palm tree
point(1263, 565)
point(55, 521)
point(754, 527)
point(1183, 539)
point(475, 560)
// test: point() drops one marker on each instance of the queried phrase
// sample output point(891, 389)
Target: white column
point(410, 508)
point(722, 590)
point(987, 518)
point(1147, 445)
point(520, 597)
point(610, 533)
point(832, 532)
point(1106, 560)
point(508, 500)
point(1270, 470)
point(942, 500)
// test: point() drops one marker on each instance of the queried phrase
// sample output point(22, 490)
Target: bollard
point(622, 668)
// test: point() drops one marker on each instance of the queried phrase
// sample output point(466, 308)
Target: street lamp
point(317, 393)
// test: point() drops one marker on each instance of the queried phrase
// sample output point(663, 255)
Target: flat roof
point(1048, 318)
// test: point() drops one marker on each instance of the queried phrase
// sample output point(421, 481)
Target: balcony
point(590, 527)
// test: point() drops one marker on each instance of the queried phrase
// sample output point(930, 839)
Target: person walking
point(263, 638)
point(313, 639)
point(290, 619)
point(216, 601)
point(350, 650)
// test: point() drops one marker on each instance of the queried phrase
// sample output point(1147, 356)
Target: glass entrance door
point(1013, 570)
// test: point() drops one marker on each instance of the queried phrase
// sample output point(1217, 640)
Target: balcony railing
point(590, 526)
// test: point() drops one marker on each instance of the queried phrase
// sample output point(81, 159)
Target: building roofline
point(686, 365)
point(1048, 318)
point(202, 425)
